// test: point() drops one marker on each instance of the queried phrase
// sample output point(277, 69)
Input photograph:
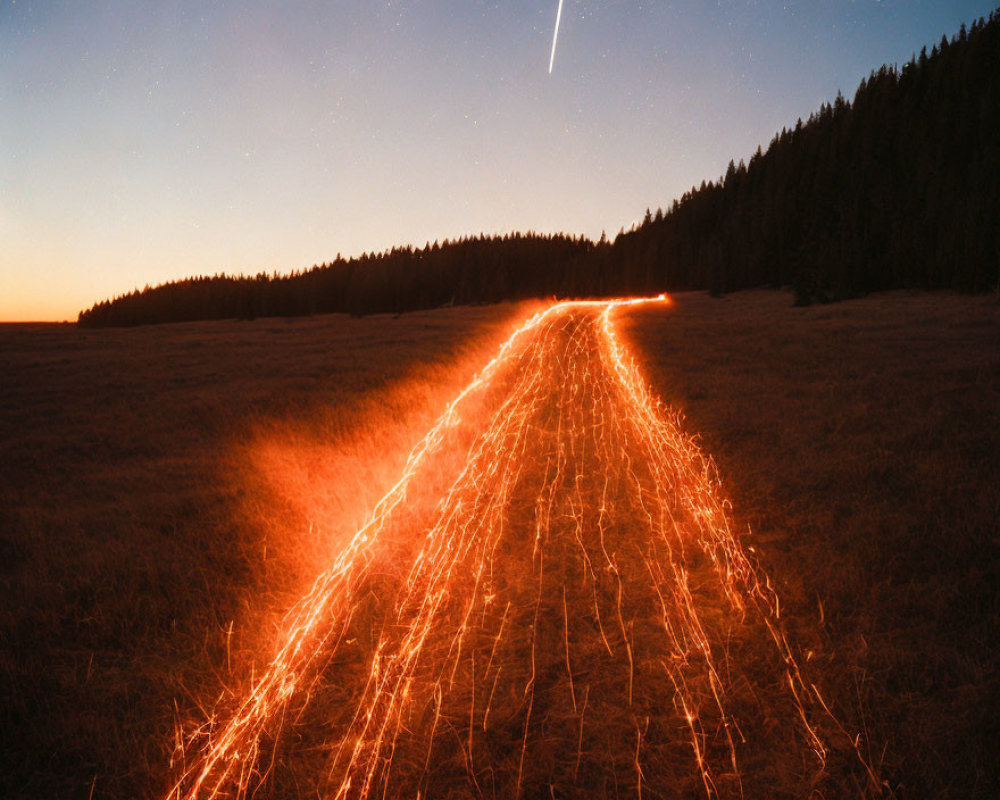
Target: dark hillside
point(895, 189)
point(469, 271)
point(899, 188)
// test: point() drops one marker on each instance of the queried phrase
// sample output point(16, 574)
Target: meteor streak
point(555, 36)
point(550, 601)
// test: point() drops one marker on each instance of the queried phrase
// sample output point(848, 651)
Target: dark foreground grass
point(166, 492)
point(861, 444)
point(157, 488)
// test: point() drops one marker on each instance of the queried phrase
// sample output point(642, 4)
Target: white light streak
point(555, 37)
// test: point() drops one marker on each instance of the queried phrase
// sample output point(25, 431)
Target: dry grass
point(861, 443)
point(157, 488)
point(158, 484)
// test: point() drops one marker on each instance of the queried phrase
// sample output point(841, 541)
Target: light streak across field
point(559, 600)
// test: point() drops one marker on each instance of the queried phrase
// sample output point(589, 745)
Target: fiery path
point(550, 601)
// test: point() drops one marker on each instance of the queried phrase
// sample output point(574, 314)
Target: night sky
point(146, 141)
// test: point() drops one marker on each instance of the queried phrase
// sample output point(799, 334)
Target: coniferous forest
point(897, 188)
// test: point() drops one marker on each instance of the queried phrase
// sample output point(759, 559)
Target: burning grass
point(160, 485)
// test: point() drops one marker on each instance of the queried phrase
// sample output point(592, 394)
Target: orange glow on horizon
point(556, 547)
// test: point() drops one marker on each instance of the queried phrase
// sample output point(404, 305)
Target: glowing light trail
point(551, 598)
point(555, 36)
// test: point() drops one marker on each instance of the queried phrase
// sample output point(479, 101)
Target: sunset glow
point(140, 145)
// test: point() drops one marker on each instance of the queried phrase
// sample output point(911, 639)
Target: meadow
point(167, 491)
point(860, 442)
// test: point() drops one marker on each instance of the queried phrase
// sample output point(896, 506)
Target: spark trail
point(550, 600)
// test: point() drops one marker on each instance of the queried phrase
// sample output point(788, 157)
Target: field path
point(550, 602)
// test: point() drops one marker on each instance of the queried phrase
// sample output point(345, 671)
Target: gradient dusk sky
point(146, 141)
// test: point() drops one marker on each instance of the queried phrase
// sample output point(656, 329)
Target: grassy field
point(861, 444)
point(166, 492)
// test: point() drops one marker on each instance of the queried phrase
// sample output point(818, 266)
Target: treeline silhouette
point(472, 270)
point(899, 188)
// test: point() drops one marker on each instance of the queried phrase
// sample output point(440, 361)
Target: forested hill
point(898, 188)
point(473, 270)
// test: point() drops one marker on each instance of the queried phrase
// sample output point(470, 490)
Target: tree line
point(897, 188)
point(461, 272)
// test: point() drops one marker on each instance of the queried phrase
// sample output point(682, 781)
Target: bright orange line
point(576, 341)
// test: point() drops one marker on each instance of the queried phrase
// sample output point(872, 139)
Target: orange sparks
point(566, 612)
